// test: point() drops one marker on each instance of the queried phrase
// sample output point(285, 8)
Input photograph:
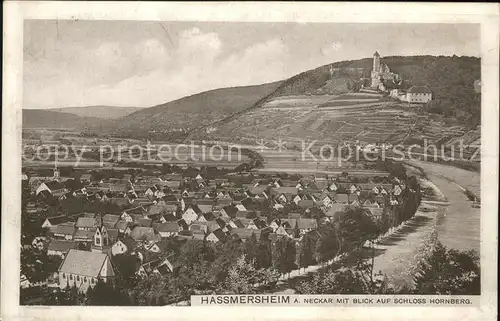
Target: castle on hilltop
point(380, 73)
point(383, 79)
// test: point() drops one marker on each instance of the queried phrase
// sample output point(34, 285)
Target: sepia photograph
point(186, 163)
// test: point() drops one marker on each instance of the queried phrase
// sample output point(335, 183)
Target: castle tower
point(376, 70)
point(376, 61)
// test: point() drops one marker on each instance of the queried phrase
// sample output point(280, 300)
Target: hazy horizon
point(142, 64)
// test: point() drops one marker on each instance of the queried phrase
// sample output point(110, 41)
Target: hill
point(327, 103)
point(106, 112)
point(36, 118)
point(194, 111)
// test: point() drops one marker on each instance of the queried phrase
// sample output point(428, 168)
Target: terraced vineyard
point(365, 116)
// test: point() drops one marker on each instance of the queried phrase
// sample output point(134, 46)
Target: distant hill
point(36, 118)
point(106, 112)
point(194, 111)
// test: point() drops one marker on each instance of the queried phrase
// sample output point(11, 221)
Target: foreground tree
point(447, 271)
point(283, 255)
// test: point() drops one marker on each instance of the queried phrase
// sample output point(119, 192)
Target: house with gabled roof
point(55, 220)
point(167, 229)
point(229, 211)
point(305, 203)
point(370, 203)
point(205, 207)
point(326, 200)
point(60, 247)
point(53, 187)
point(63, 230)
point(396, 190)
point(191, 213)
point(86, 223)
point(260, 223)
point(110, 220)
point(236, 223)
point(144, 234)
point(376, 213)
point(334, 209)
point(305, 225)
point(244, 234)
point(342, 198)
point(84, 268)
point(284, 231)
point(216, 236)
point(123, 245)
point(353, 199)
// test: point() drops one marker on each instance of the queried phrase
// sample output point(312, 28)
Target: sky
point(142, 64)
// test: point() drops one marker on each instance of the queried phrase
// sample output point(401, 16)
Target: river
point(459, 225)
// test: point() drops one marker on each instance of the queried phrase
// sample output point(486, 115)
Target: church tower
point(101, 238)
point(56, 170)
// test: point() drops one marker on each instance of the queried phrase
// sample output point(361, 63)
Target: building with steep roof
point(419, 94)
point(84, 268)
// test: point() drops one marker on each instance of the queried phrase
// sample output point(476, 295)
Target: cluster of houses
point(154, 208)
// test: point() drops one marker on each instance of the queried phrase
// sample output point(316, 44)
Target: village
point(94, 220)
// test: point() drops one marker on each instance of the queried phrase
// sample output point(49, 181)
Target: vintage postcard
point(184, 159)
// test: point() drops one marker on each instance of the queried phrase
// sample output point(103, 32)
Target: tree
point(263, 259)
point(126, 268)
point(241, 277)
point(447, 271)
point(354, 227)
point(327, 245)
point(251, 249)
point(283, 255)
point(306, 252)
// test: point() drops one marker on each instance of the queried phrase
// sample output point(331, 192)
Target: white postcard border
point(15, 12)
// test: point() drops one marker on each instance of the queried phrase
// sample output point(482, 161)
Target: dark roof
point(209, 216)
point(86, 222)
point(54, 185)
point(220, 235)
point(182, 223)
point(170, 197)
point(244, 233)
point(170, 217)
point(419, 90)
point(82, 234)
point(61, 245)
point(56, 220)
point(62, 229)
point(230, 210)
point(307, 223)
point(342, 198)
point(167, 227)
point(113, 233)
point(144, 222)
point(259, 223)
point(376, 54)
point(238, 223)
point(111, 219)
